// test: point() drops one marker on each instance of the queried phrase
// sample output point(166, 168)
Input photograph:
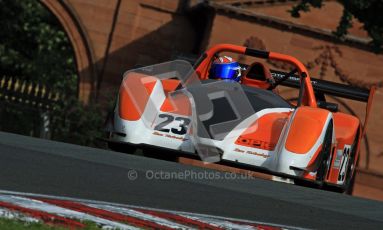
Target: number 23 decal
point(181, 129)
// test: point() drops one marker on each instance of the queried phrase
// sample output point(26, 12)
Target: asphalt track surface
point(52, 168)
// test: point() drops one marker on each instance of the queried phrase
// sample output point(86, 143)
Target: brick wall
point(126, 33)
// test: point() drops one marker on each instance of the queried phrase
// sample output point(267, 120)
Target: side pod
point(303, 141)
point(305, 130)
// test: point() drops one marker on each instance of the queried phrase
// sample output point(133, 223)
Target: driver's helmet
point(225, 68)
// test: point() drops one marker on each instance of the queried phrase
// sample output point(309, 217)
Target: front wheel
point(121, 147)
point(160, 154)
point(324, 161)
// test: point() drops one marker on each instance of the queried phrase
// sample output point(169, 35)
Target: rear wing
point(332, 88)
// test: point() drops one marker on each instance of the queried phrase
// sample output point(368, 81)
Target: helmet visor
point(224, 70)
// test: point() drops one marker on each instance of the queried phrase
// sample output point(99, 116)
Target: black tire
point(325, 160)
point(305, 183)
point(349, 186)
point(160, 154)
point(123, 148)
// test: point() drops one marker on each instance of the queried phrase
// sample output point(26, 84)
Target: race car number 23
point(176, 125)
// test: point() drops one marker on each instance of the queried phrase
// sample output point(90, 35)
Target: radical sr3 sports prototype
point(175, 106)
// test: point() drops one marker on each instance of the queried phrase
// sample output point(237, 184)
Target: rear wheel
point(349, 185)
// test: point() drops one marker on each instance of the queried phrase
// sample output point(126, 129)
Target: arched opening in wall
point(39, 90)
point(83, 53)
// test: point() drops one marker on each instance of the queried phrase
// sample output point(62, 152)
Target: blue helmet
point(225, 68)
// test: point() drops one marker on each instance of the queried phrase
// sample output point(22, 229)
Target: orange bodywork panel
point(305, 129)
point(346, 127)
point(134, 94)
point(262, 70)
point(177, 104)
point(170, 85)
point(264, 132)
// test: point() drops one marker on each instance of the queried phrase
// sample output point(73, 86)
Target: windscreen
point(205, 112)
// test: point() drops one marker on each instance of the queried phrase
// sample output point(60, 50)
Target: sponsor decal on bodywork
point(252, 153)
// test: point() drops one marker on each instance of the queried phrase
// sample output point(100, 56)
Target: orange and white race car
point(245, 123)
